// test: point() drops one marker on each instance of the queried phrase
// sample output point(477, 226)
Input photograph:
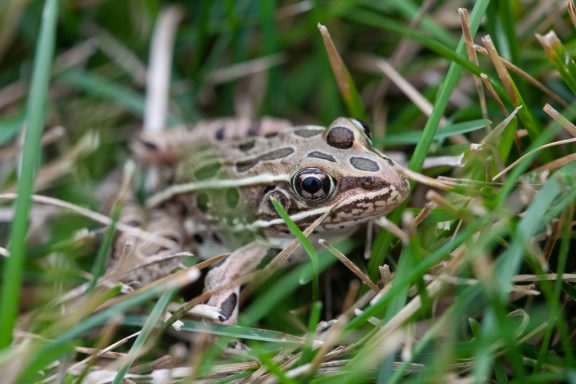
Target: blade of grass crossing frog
point(306, 245)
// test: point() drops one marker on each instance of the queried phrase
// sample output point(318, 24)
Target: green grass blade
point(104, 250)
point(149, 325)
point(10, 127)
point(35, 362)
point(447, 131)
point(100, 86)
point(384, 240)
point(560, 59)
point(35, 115)
point(306, 244)
point(444, 94)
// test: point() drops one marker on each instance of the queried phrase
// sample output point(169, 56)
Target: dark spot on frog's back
point(364, 164)
point(322, 155)
point(202, 202)
point(246, 146)
point(276, 154)
point(304, 132)
point(243, 166)
point(254, 128)
point(232, 197)
point(340, 137)
point(220, 133)
point(207, 171)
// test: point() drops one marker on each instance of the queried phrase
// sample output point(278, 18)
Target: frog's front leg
point(223, 305)
point(136, 261)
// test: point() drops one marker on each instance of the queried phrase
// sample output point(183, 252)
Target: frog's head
point(341, 172)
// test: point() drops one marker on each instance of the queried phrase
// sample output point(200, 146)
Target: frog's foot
point(222, 306)
point(141, 260)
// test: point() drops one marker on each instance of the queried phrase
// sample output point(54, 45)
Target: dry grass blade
point(95, 216)
point(281, 258)
point(486, 81)
point(526, 76)
point(572, 11)
point(175, 280)
point(424, 213)
point(64, 165)
point(426, 180)
point(557, 116)
point(250, 67)
point(384, 67)
point(501, 71)
point(158, 76)
point(555, 164)
point(93, 356)
point(349, 264)
point(343, 77)
point(535, 150)
point(279, 359)
point(391, 227)
point(331, 338)
point(469, 43)
point(51, 136)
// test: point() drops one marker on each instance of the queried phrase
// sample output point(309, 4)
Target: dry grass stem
point(94, 216)
point(245, 69)
point(501, 70)
point(572, 12)
point(371, 62)
point(486, 81)
point(526, 76)
point(469, 44)
point(349, 264)
point(557, 116)
point(535, 150)
point(51, 136)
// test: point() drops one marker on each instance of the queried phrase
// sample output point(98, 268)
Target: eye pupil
point(313, 185)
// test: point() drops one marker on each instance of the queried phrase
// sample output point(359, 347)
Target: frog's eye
point(313, 185)
point(364, 126)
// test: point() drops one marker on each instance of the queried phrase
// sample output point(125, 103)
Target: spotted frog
point(221, 177)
